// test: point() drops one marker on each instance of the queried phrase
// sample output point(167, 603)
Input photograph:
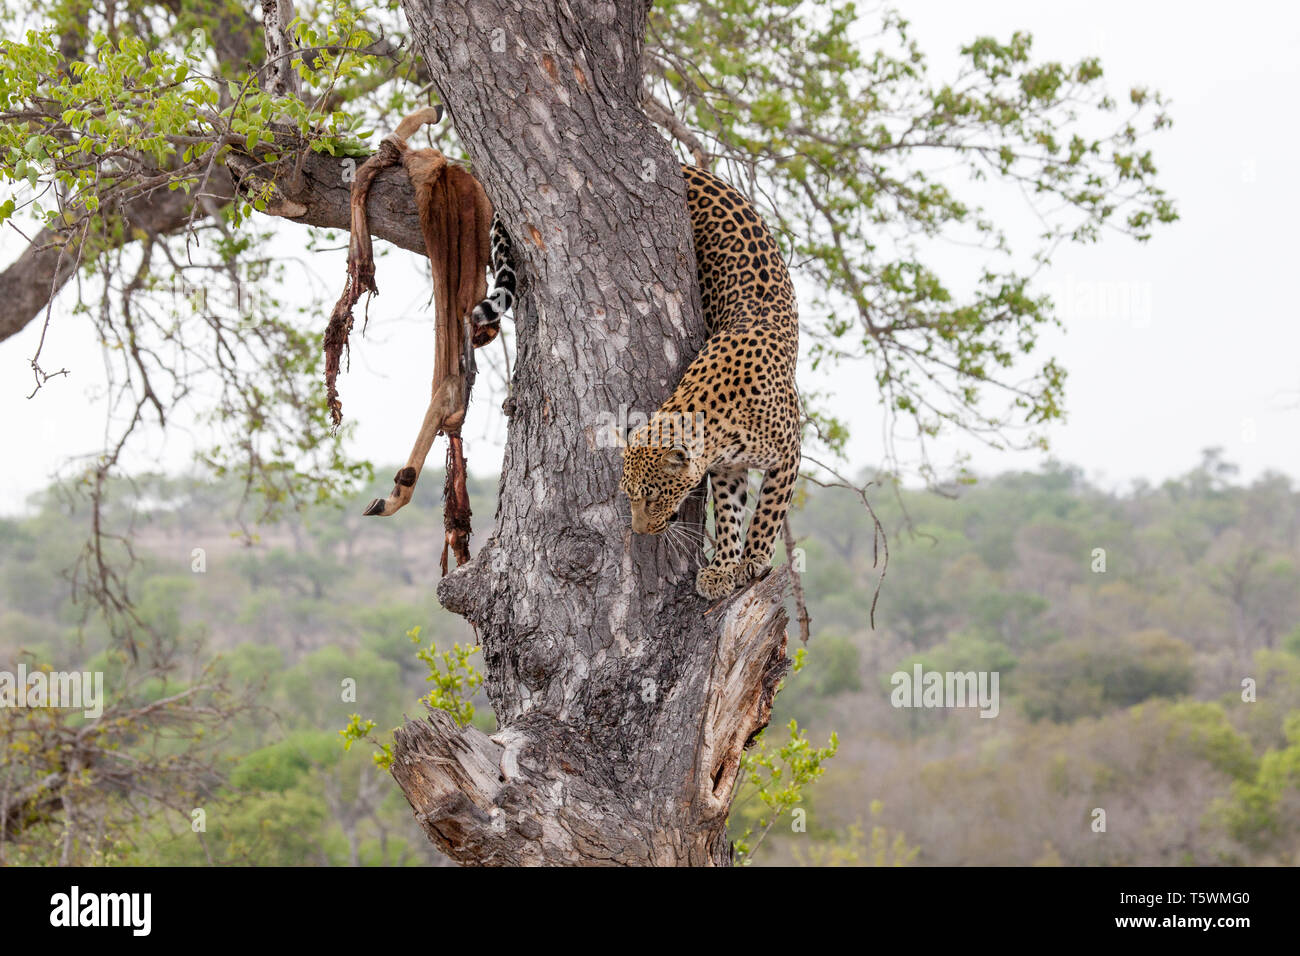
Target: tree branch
point(319, 197)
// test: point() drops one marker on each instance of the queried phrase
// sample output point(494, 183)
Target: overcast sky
point(1200, 345)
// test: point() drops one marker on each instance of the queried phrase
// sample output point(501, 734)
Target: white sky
point(1207, 354)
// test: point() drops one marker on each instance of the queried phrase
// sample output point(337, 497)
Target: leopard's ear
point(675, 459)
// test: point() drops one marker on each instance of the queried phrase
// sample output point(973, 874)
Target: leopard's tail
point(486, 316)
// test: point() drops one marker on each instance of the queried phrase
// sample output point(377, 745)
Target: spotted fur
point(736, 407)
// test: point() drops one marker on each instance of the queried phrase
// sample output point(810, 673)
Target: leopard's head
point(656, 479)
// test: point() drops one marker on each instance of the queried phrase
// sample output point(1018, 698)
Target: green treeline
point(1128, 630)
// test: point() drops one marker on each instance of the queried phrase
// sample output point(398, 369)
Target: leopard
point(736, 407)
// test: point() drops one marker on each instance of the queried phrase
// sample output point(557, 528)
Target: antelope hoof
point(376, 508)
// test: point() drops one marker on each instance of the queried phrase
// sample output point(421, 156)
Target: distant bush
point(1263, 812)
point(1085, 677)
point(961, 652)
point(833, 665)
point(284, 763)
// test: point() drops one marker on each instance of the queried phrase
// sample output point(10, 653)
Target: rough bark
point(278, 75)
point(624, 700)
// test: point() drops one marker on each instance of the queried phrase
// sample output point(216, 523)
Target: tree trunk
point(623, 699)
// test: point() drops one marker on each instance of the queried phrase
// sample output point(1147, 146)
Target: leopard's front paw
point(715, 581)
point(751, 569)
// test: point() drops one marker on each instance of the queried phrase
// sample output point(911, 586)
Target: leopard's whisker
point(676, 546)
point(674, 539)
point(687, 531)
point(688, 555)
point(691, 534)
point(695, 545)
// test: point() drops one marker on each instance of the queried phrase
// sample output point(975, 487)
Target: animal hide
point(456, 219)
